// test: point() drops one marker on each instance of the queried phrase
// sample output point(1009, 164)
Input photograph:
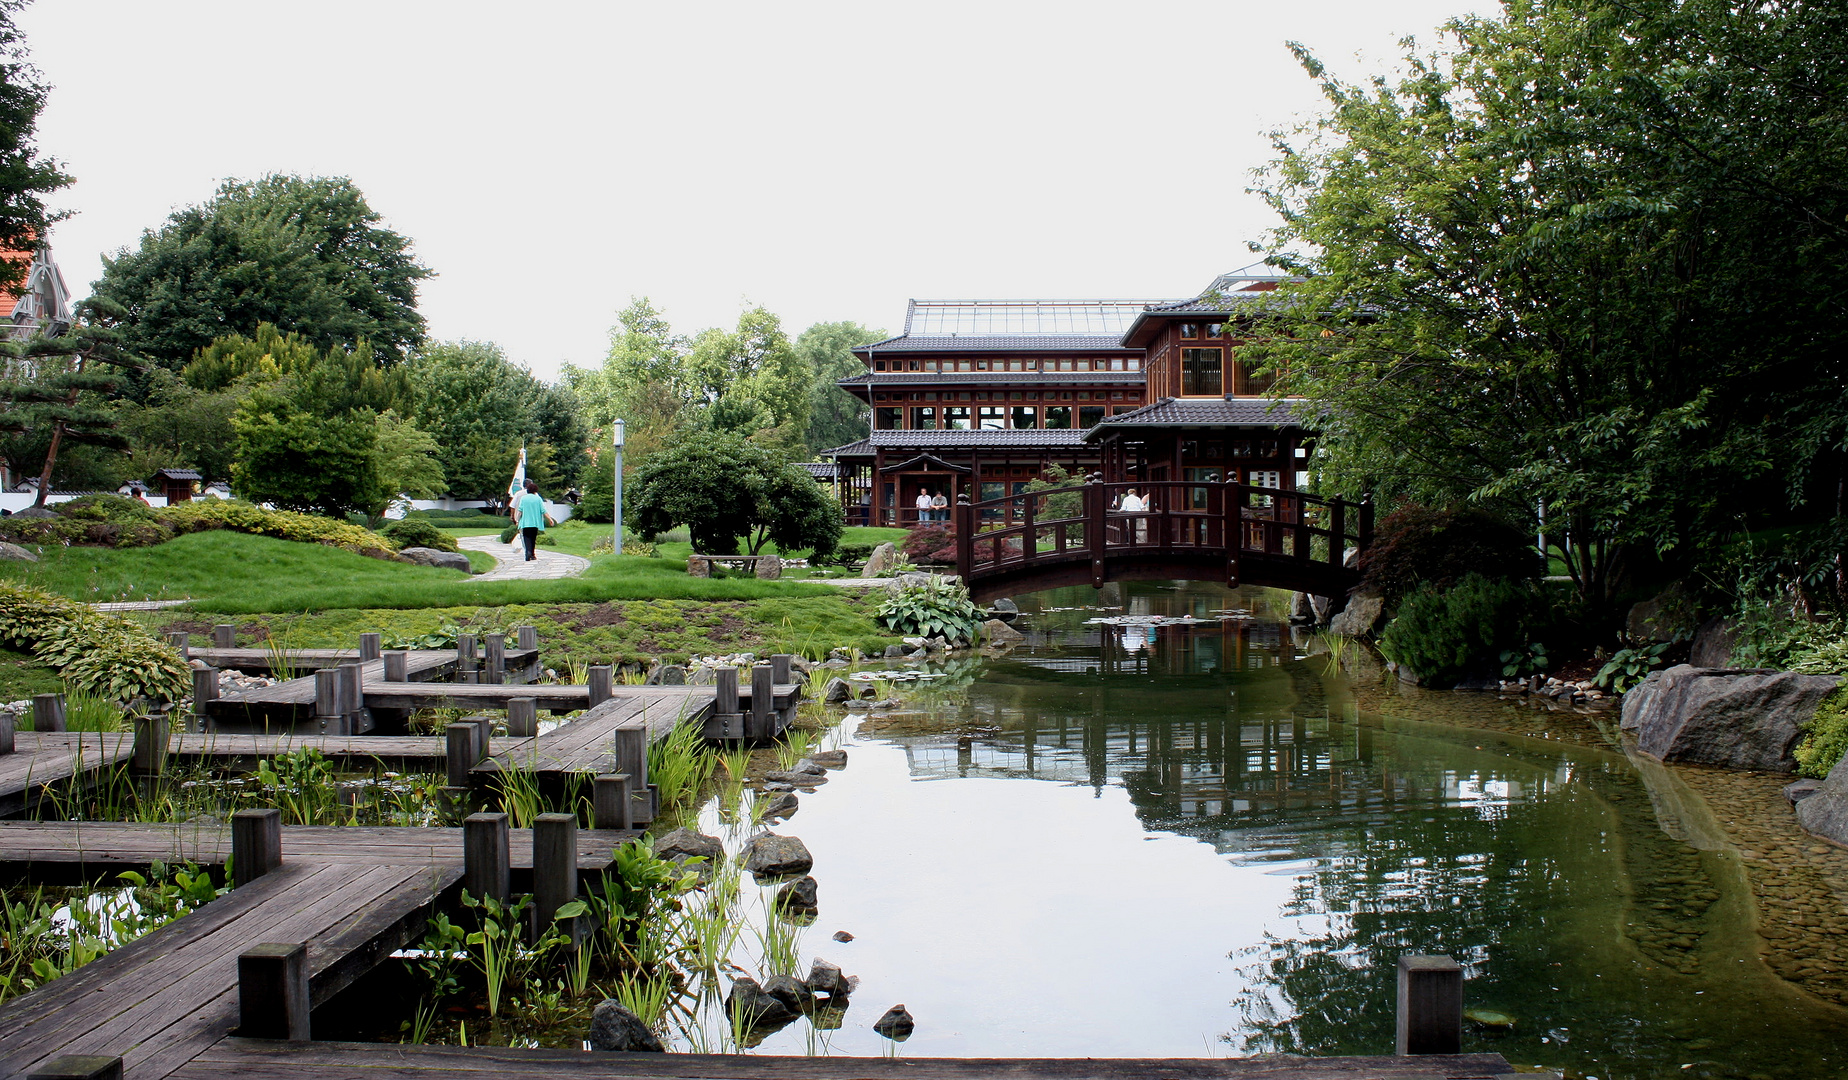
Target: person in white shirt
point(1137, 504)
point(923, 505)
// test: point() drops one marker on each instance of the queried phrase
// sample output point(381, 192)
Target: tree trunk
point(51, 459)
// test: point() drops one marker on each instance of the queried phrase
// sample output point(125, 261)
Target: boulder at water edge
point(837, 691)
point(826, 978)
point(1730, 717)
point(613, 1027)
point(1360, 618)
point(684, 844)
point(829, 759)
point(792, 992)
point(799, 895)
point(896, 1024)
point(446, 560)
point(668, 675)
point(770, 855)
point(753, 1007)
point(996, 632)
point(1824, 811)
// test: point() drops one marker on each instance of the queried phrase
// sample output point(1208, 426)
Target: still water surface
point(1193, 841)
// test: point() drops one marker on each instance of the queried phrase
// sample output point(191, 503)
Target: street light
point(618, 515)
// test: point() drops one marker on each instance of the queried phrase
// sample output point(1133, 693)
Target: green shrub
point(96, 653)
point(415, 532)
point(1826, 739)
point(472, 518)
point(1443, 634)
point(850, 555)
point(936, 607)
point(201, 515)
point(1415, 545)
point(105, 506)
point(544, 539)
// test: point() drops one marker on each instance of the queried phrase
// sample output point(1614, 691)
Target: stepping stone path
point(513, 565)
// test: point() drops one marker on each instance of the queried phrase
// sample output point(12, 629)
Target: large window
point(956, 418)
point(1203, 373)
point(1058, 416)
point(888, 419)
point(991, 417)
point(924, 419)
point(1026, 416)
point(1089, 415)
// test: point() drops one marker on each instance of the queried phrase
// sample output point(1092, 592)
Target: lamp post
point(617, 542)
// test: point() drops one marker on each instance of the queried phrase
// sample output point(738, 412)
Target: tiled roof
point(980, 378)
point(1203, 412)
point(862, 448)
point(820, 470)
point(959, 439)
point(1064, 343)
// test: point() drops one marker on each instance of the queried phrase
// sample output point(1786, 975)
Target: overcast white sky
point(829, 161)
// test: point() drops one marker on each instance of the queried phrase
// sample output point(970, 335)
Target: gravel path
point(513, 565)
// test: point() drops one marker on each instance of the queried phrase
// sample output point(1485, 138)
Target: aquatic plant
point(679, 764)
point(300, 783)
point(1627, 667)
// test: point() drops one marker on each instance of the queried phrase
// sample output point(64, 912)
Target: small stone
point(837, 691)
point(613, 1027)
point(809, 766)
point(799, 779)
point(682, 845)
point(792, 992)
point(784, 805)
point(668, 675)
point(770, 855)
point(829, 759)
point(894, 652)
point(826, 978)
point(896, 1024)
point(996, 632)
point(842, 936)
point(800, 895)
point(754, 1007)
point(778, 786)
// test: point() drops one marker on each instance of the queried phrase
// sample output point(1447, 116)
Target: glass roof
point(943, 318)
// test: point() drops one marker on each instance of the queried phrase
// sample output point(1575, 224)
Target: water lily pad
point(1488, 1018)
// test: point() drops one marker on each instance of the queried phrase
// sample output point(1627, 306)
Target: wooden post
point(79, 1067)
point(528, 638)
point(368, 647)
point(602, 684)
point(484, 736)
point(48, 712)
point(554, 868)
point(151, 735)
point(725, 691)
point(522, 717)
point(497, 659)
point(965, 535)
point(224, 636)
point(763, 702)
point(632, 761)
point(6, 733)
point(182, 643)
point(272, 991)
point(1430, 1006)
point(781, 665)
point(347, 699)
point(487, 863)
point(1096, 510)
point(465, 656)
point(256, 844)
point(459, 752)
point(1337, 532)
point(397, 666)
point(610, 803)
point(327, 696)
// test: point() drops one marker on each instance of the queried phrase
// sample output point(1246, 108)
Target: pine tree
point(62, 384)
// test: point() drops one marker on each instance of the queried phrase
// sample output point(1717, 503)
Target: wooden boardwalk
point(587, 744)
point(405, 752)
point(68, 850)
point(251, 1059)
point(40, 762)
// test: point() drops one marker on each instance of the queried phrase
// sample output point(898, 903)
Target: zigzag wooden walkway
point(43, 761)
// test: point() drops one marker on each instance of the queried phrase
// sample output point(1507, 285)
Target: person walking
point(530, 513)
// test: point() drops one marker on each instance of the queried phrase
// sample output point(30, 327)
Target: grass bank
point(235, 573)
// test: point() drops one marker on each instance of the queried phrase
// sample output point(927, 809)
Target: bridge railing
point(1097, 520)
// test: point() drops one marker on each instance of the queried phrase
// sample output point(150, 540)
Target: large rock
point(1360, 618)
point(668, 675)
point(792, 992)
point(753, 1007)
point(1713, 644)
point(837, 691)
point(613, 1027)
point(908, 580)
point(1302, 608)
point(826, 978)
point(802, 894)
point(1733, 718)
point(883, 559)
point(14, 551)
point(35, 513)
point(446, 560)
point(682, 845)
point(996, 632)
point(1824, 811)
point(770, 855)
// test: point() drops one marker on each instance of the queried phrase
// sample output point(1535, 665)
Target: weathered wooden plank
point(424, 749)
point(428, 662)
point(251, 1059)
point(41, 760)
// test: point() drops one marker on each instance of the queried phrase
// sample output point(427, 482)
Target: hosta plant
point(938, 607)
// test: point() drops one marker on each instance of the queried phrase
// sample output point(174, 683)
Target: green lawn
point(237, 573)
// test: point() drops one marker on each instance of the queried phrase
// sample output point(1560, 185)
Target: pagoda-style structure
point(981, 397)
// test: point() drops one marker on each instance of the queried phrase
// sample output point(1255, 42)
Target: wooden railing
point(1183, 518)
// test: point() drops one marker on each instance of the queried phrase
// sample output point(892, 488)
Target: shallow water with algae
point(1174, 838)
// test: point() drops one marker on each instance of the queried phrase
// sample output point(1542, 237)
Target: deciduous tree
point(724, 488)
point(826, 350)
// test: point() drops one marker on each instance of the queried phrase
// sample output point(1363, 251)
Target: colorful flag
point(519, 478)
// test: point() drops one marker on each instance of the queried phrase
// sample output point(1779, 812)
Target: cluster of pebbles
point(1559, 693)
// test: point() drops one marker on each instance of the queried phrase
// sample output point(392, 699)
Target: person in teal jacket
point(530, 512)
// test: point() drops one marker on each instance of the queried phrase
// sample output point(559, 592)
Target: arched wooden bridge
point(1216, 531)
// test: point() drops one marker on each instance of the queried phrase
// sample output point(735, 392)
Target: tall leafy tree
point(481, 408)
point(826, 351)
point(1583, 266)
point(304, 253)
point(26, 176)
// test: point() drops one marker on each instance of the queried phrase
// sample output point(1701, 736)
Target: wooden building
point(984, 396)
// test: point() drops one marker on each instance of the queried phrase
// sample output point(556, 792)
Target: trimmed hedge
point(415, 532)
point(105, 520)
point(112, 657)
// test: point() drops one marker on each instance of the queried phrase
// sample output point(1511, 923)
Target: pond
point(1200, 840)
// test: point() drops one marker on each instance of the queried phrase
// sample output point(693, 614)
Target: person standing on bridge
point(1137, 504)
point(530, 513)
